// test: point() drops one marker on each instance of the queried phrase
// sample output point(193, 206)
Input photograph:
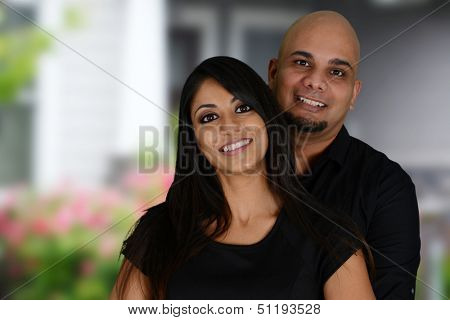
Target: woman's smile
point(235, 147)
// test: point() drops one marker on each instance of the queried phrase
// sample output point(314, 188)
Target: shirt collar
point(337, 150)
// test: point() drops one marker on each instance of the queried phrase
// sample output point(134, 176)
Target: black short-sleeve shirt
point(285, 264)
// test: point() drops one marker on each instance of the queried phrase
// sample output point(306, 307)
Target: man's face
point(314, 78)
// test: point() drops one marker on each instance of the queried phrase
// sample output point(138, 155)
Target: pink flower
point(64, 220)
point(40, 227)
point(97, 221)
point(13, 231)
point(80, 208)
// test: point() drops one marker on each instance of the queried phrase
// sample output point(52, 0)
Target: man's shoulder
point(373, 160)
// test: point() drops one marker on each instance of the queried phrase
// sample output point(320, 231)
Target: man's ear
point(356, 90)
point(272, 72)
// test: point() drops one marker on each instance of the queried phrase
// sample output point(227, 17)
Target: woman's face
point(229, 133)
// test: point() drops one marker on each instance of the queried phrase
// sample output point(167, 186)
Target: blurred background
point(87, 89)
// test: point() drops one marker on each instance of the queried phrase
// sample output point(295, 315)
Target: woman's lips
point(235, 147)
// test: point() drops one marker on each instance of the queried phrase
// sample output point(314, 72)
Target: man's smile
point(309, 104)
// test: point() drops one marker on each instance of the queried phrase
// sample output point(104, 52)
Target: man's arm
point(394, 236)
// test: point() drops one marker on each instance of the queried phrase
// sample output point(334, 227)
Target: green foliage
point(446, 276)
point(19, 52)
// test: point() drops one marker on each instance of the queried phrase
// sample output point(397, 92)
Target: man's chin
point(304, 125)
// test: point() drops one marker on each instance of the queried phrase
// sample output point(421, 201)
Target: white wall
point(90, 91)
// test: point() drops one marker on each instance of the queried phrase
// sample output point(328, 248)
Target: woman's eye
point(243, 108)
point(303, 63)
point(337, 73)
point(208, 117)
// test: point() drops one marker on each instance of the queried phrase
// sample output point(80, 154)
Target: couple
point(259, 211)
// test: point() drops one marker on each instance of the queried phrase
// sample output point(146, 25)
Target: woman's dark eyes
point(208, 117)
point(212, 116)
point(243, 108)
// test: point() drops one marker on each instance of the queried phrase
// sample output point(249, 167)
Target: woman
point(237, 223)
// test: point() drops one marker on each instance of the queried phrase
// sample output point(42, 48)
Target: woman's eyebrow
point(207, 105)
point(212, 105)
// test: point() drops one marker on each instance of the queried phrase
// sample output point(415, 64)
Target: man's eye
point(243, 108)
point(303, 63)
point(208, 117)
point(337, 73)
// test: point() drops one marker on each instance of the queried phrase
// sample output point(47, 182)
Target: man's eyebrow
point(340, 62)
point(302, 53)
point(207, 105)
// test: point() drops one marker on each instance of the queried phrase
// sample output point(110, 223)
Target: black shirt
point(285, 264)
point(353, 178)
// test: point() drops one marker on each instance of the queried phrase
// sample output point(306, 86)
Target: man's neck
point(308, 151)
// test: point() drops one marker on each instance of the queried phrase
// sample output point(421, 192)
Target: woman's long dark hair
point(165, 239)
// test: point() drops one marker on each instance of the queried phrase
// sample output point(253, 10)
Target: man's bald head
point(315, 76)
point(320, 22)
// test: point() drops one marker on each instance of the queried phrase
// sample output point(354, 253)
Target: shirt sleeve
point(131, 249)
point(135, 247)
point(344, 244)
point(394, 236)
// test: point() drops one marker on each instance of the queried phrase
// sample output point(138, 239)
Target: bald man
point(315, 81)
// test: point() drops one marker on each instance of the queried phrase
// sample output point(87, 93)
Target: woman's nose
point(230, 123)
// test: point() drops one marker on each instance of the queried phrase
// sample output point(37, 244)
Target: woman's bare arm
point(350, 281)
point(131, 284)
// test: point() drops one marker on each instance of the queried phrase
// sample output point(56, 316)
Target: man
point(314, 80)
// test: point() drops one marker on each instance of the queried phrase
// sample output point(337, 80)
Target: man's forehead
point(325, 44)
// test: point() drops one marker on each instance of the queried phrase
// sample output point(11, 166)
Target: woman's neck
point(249, 197)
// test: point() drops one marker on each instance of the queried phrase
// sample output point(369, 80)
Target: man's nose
point(316, 82)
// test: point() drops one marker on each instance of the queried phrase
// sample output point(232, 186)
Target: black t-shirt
point(285, 264)
point(353, 178)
